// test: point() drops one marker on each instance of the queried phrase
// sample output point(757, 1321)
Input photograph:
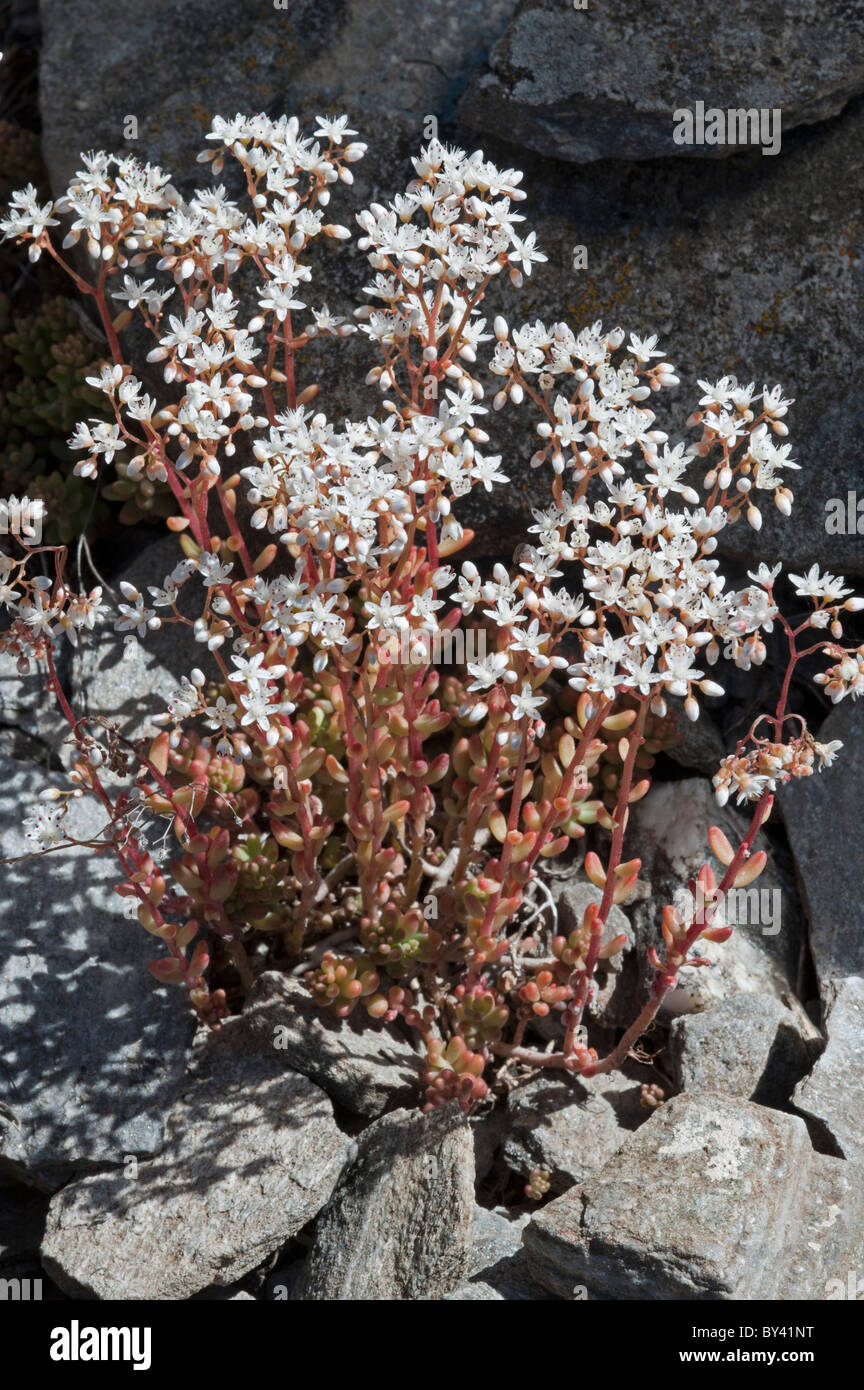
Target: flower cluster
point(326, 781)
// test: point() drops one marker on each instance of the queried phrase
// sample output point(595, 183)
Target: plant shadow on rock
point(91, 1050)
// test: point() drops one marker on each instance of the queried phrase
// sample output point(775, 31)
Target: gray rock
point(774, 241)
point(498, 1269)
point(93, 1051)
point(400, 1222)
point(217, 1295)
point(252, 1154)
point(570, 1127)
point(366, 1069)
point(826, 1256)
point(700, 744)
point(496, 1236)
point(715, 1198)
point(372, 78)
point(308, 56)
point(670, 828)
point(475, 1292)
point(589, 83)
point(131, 681)
point(749, 1046)
point(24, 748)
point(488, 1131)
point(22, 1222)
point(832, 798)
point(28, 707)
point(833, 1093)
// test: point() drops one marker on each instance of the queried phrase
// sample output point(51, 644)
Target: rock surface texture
point(670, 826)
point(602, 82)
point(312, 56)
point(570, 1128)
point(715, 1198)
point(26, 708)
point(130, 681)
point(365, 1070)
point(833, 1094)
point(829, 875)
point(612, 1000)
point(251, 1155)
point(749, 1046)
point(498, 1268)
point(400, 1222)
point(93, 1050)
point(22, 1223)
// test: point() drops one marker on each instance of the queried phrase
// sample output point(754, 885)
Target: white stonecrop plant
point(324, 781)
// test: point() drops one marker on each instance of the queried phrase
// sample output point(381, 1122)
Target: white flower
point(489, 671)
point(640, 675)
point(644, 348)
point(525, 253)
point(470, 592)
point(773, 403)
point(38, 615)
point(386, 614)
point(259, 708)
point(765, 575)
point(525, 703)
point(816, 586)
point(487, 471)
point(506, 613)
point(136, 618)
point(100, 439)
point(334, 130)
point(827, 752)
point(185, 333)
point(212, 570)
point(667, 473)
point(137, 292)
point(531, 640)
point(184, 700)
point(221, 714)
point(253, 671)
point(280, 300)
point(43, 826)
point(26, 218)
